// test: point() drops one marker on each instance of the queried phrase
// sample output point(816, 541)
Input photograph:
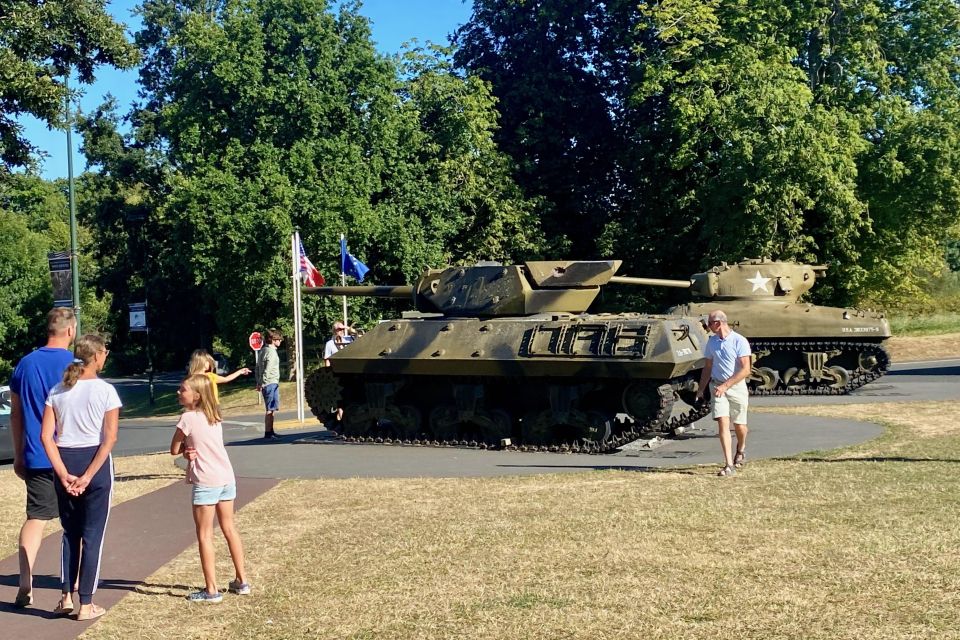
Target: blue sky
point(393, 21)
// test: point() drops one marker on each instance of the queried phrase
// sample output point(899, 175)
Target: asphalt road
point(309, 452)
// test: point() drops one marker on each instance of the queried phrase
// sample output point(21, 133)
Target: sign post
point(256, 343)
point(138, 323)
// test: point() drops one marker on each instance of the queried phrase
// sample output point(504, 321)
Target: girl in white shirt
point(78, 433)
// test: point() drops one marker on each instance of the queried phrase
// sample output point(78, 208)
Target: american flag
point(311, 277)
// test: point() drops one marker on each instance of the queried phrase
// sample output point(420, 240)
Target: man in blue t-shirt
point(32, 380)
point(727, 369)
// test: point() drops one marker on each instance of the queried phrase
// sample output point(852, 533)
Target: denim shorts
point(271, 397)
point(205, 496)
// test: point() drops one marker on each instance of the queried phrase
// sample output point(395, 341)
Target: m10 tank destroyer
point(506, 356)
point(798, 348)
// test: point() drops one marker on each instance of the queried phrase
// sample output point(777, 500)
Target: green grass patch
point(924, 324)
point(236, 398)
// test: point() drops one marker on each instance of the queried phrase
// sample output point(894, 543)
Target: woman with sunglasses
point(78, 433)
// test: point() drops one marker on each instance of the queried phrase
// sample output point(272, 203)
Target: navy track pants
point(84, 521)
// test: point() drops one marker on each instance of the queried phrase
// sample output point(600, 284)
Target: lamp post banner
point(60, 278)
point(138, 316)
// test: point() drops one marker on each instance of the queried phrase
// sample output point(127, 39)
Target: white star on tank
point(759, 282)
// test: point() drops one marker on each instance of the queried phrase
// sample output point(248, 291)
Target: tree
point(33, 221)
point(40, 44)
point(559, 69)
point(260, 116)
point(823, 131)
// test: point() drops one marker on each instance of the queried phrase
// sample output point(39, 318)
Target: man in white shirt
point(728, 367)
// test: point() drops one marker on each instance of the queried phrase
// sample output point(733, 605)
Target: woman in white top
point(79, 431)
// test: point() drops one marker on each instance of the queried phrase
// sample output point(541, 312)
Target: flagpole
point(297, 320)
point(343, 281)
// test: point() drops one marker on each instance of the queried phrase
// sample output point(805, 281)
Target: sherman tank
point(498, 356)
point(798, 348)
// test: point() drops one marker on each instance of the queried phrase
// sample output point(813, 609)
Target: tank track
point(324, 389)
point(795, 349)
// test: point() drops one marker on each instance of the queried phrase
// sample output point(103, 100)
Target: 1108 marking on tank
point(507, 353)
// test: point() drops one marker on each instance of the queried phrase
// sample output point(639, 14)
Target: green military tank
point(798, 348)
point(506, 356)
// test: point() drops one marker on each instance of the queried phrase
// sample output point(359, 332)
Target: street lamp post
point(74, 268)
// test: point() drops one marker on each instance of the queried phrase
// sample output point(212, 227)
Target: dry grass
point(910, 348)
point(135, 476)
point(858, 544)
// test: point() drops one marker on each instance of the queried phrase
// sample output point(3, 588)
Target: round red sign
point(256, 341)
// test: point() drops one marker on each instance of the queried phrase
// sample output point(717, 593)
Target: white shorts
point(732, 404)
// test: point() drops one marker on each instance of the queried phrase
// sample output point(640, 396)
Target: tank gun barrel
point(652, 282)
point(400, 291)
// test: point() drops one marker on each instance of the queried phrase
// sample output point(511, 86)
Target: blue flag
point(349, 265)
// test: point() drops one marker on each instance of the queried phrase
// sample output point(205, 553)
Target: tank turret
point(799, 348)
point(507, 355)
point(492, 290)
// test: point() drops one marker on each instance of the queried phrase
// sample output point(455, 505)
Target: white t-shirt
point(80, 410)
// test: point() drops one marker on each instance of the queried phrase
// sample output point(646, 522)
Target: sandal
point(95, 611)
point(61, 610)
point(24, 599)
point(727, 472)
point(738, 459)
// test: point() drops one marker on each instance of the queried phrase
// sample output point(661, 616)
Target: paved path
point(143, 535)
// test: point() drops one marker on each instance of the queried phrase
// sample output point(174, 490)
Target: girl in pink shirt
point(199, 436)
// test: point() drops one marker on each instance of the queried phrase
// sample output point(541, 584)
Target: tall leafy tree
point(559, 70)
point(261, 116)
point(40, 43)
point(822, 131)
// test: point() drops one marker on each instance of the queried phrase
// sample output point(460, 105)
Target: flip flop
point(95, 611)
point(61, 610)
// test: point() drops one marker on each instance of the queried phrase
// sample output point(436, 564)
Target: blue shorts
point(271, 397)
point(205, 496)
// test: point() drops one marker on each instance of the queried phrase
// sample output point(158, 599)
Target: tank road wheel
point(535, 429)
point(402, 423)
point(356, 423)
point(496, 427)
point(322, 391)
point(795, 380)
point(443, 423)
point(841, 377)
point(648, 403)
point(866, 361)
point(764, 379)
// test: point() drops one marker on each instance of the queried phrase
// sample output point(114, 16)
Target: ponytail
point(85, 350)
point(72, 374)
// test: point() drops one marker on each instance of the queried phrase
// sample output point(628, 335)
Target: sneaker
point(203, 596)
point(271, 436)
point(239, 588)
